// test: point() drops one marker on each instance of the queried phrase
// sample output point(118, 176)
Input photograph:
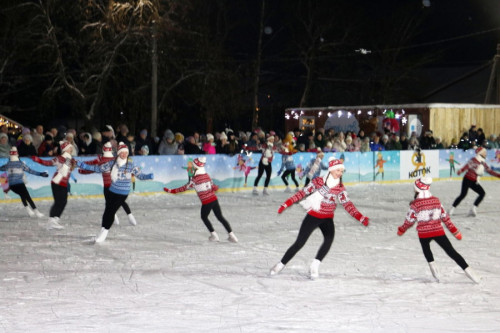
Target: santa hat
point(334, 164)
point(122, 147)
point(199, 162)
point(423, 184)
point(481, 151)
point(107, 150)
point(14, 155)
point(65, 146)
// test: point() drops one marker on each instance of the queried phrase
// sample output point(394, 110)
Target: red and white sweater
point(428, 213)
point(106, 176)
point(327, 197)
point(476, 168)
point(203, 185)
point(64, 164)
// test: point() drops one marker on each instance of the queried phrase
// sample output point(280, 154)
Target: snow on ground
point(163, 275)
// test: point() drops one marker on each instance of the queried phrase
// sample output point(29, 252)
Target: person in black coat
point(143, 140)
point(191, 148)
point(26, 147)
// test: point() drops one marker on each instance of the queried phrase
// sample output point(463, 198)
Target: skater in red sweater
point(475, 169)
point(205, 188)
point(320, 204)
point(427, 211)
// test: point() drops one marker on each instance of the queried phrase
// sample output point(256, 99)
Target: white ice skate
point(452, 210)
point(255, 191)
point(102, 235)
point(472, 212)
point(213, 237)
point(117, 220)
point(314, 269)
point(31, 213)
point(288, 189)
point(131, 219)
point(54, 224)
point(232, 238)
point(37, 213)
point(265, 192)
point(276, 268)
point(434, 270)
point(472, 275)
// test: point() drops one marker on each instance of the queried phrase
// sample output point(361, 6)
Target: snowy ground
point(164, 276)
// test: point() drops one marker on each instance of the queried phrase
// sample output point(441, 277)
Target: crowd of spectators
point(44, 143)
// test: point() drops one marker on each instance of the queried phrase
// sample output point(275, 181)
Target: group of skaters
point(319, 197)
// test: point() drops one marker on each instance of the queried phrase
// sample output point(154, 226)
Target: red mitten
point(36, 159)
point(458, 235)
point(364, 220)
point(401, 231)
point(167, 190)
point(215, 188)
point(286, 204)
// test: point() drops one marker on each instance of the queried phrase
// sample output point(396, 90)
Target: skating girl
point(64, 164)
point(427, 211)
point(15, 170)
point(106, 157)
point(320, 205)
point(205, 188)
point(120, 170)
point(265, 165)
point(475, 169)
point(288, 164)
point(314, 167)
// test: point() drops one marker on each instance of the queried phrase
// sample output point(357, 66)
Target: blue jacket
point(15, 172)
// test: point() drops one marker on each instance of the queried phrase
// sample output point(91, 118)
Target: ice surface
point(163, 275)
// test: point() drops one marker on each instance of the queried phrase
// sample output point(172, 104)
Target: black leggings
point(113, 202)
point(60, 194)
point(22, 191)
point(206, 209)
point(260, 172)
point(125, 206)
point(309, 224)
point(289, 172)
point(445, 244)
point(475, 186)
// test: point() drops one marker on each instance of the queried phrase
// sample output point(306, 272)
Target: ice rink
point(163, 275)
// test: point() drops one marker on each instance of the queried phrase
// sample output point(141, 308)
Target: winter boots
point(213, 237)
point(255, 191)
point(472, 275)
point(314, 269)
point(434, 270)
point(54, 224)
point(232, 238)
point(288, 189)
point(472, 212)
point(102, 235)
point(265, 192)
point(131, 219)
point(276, 269)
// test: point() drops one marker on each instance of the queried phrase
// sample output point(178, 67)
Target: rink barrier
point(228, 172)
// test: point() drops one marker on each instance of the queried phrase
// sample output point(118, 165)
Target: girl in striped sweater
point(427, 211)
point(15, 171)
point(121, 170)
point(205, 188)
point(322, 194)
point(474, 169)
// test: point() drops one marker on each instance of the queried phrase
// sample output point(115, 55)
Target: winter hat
point(423, 184)
point(49, 137)
point(14, 155)
point(110, 128)
point(334, 164)
point(199, 162)
point(144, 132)
point(270, 138)
point(481, 151)
point(28, 137)
point(26, 130)
point(210, 137)
point(107, 150)
point(223, 136)
point(65, 146)
point(121, 148)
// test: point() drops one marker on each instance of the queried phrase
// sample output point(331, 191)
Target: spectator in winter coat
point(222, 145)
point(428, 212)
point(191, 148)
point(4, 145)
point(464, 142)
point(168, 146)
point(396, 143)
point(38, 136)
point(26, 147)
point(472, 134)
point(365, 145)
point(234, 146)
point(209, 145)
point(87, 145)
point(481, 138)
point(427, 141)
point(322, 194)
point(404, 142)
point(47, 148)
point(376, 145)
point(143, 140)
